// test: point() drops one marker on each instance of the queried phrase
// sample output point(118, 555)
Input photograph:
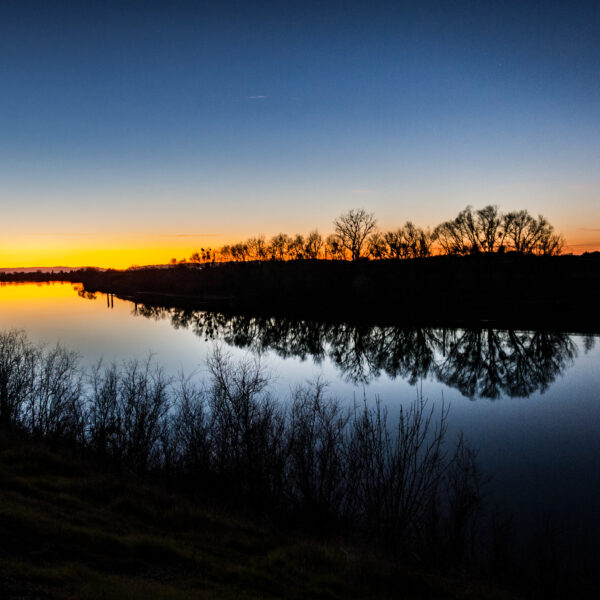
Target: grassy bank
point(69, 529)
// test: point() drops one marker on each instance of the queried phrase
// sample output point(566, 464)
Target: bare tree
point(417, 241)
point(257, 248)
point(18, 361)
point(353, 228)
point(491, 233)
point(279, 246)
point(239, 252)
point(459, 236)
point(225, 253)
point(377, 246)
point(528, 235)
point(333, 248)
point(313, 245)
point(296, 247)
point(487, 230)
point(406, 242)
point(551, 244)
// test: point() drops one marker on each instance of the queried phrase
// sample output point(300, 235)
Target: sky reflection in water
point(540, 437)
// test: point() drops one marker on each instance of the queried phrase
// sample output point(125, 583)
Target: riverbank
point(70, 529)
point(123, 509)
point(502, 290)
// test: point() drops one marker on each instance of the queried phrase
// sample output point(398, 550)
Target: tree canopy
point(356, 237)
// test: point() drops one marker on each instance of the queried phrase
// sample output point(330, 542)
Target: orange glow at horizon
point(122, 253)
point(113, 253)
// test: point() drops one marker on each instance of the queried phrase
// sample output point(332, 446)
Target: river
point(529, 401)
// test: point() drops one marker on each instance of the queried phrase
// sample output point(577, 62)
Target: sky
point(136, 131)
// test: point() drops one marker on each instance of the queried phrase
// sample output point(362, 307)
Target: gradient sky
point(134, 131)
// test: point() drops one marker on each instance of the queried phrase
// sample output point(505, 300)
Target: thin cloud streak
point(112, 234)
point(185, 235)
point(584, 245)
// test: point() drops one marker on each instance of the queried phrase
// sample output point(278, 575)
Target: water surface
point(528, 400)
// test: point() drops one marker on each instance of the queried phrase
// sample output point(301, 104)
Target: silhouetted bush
point(247, 428)
point(307, 459)
point(317, 469)
point(40, 389)
point(55, 410)
point(19, 359)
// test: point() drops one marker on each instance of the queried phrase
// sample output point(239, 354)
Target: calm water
point(529, 401)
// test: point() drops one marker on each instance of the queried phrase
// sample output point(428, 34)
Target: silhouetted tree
point(485, 230)
point(239, 252)
point(313, 245)
point(257, 248)
point(296, 247)
point(490, 229)
point(353, 228)
point(528, 235)
point(458, 236)
point(377, 247)
point(225, 253)
point(278, 248)
point(406, 242)
point(334, 250)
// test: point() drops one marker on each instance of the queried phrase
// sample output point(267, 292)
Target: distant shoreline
point(549, 292)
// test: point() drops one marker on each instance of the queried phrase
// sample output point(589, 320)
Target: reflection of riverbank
point(480, 363)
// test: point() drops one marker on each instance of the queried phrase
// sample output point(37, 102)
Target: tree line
point(356, 236)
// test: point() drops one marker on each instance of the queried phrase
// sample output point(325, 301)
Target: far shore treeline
point(484, 266)
point(356, 236)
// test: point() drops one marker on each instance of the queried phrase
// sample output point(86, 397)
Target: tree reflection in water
point(480, 363)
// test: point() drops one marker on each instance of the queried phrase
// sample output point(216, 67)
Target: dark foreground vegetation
point(387, 507)
point(72, 529)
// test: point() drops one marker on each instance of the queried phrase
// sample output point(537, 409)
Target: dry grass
point(69, 531)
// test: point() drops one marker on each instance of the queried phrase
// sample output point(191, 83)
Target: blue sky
point(125, 121)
